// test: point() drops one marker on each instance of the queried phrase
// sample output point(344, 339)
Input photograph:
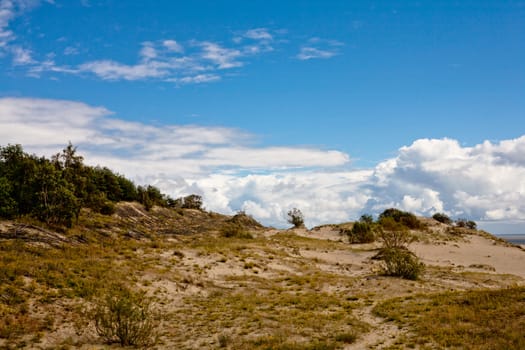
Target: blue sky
point(289, 93)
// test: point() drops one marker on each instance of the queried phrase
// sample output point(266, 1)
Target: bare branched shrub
point(394, 234)
point(125, 317)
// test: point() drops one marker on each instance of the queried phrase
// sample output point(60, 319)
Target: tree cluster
point(402, 217)
point(54, 190)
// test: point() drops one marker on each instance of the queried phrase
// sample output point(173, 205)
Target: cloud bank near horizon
point(483, 182)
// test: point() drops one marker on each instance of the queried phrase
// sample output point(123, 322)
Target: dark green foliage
point(192, 201)
point(400, 262)
point(245, 220)
point(54, 190)
point(405, 218)
point(443, 218)
point(366, 218)
point(393, 234)
point(108, 208)
point(361, 232)
point(472, 225)
point(7, 203)
point(125, 317)
point(466, 223)
point(296, 218)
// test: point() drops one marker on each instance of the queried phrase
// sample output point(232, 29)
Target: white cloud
point(258, 34)
point(9, 10)
point(7, 14)
point(148, 51)
point(170, 149)
point(173, 46)
point(111, 70)
point(318, 48)
point(71, 50)
point(198, 79)
point(308, 53)
point(163, 60)
point(222, 57)
point(481, 182)
point(21, 56)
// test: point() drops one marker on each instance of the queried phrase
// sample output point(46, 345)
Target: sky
point(338, 108)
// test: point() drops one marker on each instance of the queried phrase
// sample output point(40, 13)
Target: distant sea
point(516, 239)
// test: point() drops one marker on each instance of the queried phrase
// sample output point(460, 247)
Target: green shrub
point(108, 208)
point(394, 234)
point(367, 218)
point(401, 263)
point(234, 230)
point(125, 317)
point(442, 218)
point(466, 223)
point(361, 232)
point(405, 218)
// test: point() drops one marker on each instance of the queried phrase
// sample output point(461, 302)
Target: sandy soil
point(474, 254)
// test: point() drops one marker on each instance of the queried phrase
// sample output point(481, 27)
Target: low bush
point(361, 232)
point(393, 234)
point(400, 262)
point(125, 317)
point(466, 223)
point(108, 208)
point(443, 218)
point(234, 230)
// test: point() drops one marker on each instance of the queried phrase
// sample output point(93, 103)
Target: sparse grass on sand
point(484, 319)
point(223, 283)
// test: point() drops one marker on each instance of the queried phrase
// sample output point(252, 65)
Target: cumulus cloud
point(483, 182)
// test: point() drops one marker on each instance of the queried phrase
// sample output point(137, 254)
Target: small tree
point(466, 223)
point(394, 234)
point(296, 218)
point(7, 203)
point(443, 218)
point(403, 217)
point(367, 218)
point(192, 201)
point(397, 259)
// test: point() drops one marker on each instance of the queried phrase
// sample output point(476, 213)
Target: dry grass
point(272, 291)
point(486, 319)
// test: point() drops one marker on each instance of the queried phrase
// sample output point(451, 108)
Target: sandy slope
point(476, 253)
point(462, 261)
